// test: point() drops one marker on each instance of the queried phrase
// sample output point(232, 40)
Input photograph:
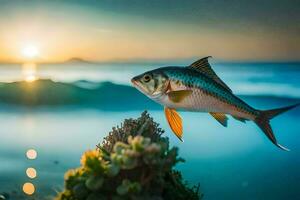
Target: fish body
point(207, 95)
point(198, 88)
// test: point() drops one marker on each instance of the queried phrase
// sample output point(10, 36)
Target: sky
point(110, 30)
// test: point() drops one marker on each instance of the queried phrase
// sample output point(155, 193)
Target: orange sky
point(100, 35)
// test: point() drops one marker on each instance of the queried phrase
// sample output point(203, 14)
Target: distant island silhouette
point(75, 60)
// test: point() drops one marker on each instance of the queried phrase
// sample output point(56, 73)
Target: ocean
point(74, 105)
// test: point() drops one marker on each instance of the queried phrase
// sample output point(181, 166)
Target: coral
point(144, 126)
point(133, 162)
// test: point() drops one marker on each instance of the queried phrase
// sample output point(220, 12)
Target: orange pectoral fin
point(175, 122)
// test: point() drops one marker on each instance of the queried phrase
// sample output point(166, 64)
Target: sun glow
point(30, 51)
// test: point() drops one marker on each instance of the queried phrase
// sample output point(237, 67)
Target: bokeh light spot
point(31, 154)
point(31, 172)
point(28, 188)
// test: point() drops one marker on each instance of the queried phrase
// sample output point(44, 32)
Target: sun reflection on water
point(29, 71)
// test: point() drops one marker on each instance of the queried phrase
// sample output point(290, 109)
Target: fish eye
point(146, 78)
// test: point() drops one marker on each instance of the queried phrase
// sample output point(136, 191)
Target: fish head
point(152, 83)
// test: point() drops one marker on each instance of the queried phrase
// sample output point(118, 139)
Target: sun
point(30, 51)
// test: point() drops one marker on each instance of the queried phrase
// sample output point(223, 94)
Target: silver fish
point(198, 88)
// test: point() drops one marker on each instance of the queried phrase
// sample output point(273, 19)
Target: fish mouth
point(138, 85)
point(134, 81)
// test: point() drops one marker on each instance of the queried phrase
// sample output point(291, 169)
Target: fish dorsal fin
point(179, 95)
point(220, 117)
point(175, 122)
point(204, 67)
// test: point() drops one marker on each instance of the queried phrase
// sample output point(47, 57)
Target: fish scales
point(207, 94)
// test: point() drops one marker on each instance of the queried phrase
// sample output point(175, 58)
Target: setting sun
point(30, 51)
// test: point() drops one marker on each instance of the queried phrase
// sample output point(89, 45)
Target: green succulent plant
point(133, 162)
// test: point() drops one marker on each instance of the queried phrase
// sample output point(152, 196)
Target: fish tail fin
point(263, 122)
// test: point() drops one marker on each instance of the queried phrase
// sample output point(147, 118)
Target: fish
point(197, 88)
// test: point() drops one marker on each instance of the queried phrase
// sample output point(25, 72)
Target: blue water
point(277, 79)
point(237, 162)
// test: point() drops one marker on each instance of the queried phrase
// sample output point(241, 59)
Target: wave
point(45, 92)
point(103, 95)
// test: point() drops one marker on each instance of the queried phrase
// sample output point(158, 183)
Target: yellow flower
point(70, 173)
point(90, 155)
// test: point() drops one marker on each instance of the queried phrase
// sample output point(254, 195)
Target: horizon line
point(146, 60)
